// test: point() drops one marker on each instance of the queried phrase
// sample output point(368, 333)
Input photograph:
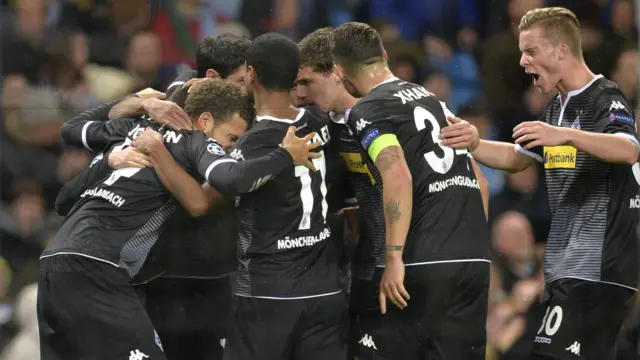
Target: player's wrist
point(568, 135)
point(394, 252)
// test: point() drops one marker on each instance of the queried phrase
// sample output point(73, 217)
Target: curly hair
point(217, 97)
point(315, 50)
point(223, 53)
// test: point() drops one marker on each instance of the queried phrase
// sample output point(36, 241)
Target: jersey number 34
point(442, 164)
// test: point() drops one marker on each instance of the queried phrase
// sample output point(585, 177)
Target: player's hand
point(167, 113)
point(301, 148)
point(537, 133)
point(129, 157)
point(151, 93)
point(146, 141)
point(189, 84)
point(460, 135)
point(392, 285)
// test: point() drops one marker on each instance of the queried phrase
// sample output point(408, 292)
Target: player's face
point(540, 59)
point(317, 88)
point(237, 77)
point(227, 133)
point(347, 81)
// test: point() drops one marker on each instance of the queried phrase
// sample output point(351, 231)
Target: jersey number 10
point(442, 164)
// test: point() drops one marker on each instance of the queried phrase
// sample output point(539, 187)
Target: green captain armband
point(380, 143)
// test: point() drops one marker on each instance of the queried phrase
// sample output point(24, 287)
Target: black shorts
point(582, 320)
point(364, 310)
point(190, 315)
point(87, 310)
point(445, 318)
point(296, 329)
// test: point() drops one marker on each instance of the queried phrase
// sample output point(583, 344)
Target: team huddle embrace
point(216, 224)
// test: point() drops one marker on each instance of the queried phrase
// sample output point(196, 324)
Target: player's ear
point(563, 51)
point(251, 73)
point(205, 122)
point(212, 74)
point(385, 56)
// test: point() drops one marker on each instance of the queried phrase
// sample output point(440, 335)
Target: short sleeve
point(370, 122)
point(615, 116)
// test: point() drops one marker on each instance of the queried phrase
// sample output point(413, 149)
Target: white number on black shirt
point(124, 172)
point(306, 193)
point(442, 164)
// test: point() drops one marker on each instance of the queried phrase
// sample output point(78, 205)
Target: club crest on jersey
point(215, 149)
point(622, 118)
point(560, 157)
point(369, 136)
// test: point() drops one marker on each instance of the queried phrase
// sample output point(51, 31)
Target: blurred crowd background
point(58, 58)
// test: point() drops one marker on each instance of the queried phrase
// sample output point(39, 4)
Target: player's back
point(447, 221)
point(118, 219)
point(284, 249)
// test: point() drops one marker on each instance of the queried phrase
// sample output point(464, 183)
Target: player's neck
point(575, 78)
point(372, 76)
point(275, 104)
point(344, 102)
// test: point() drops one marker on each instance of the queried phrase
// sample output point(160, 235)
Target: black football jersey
point(448, 221)
point(119, 219)
point(594, 204)
point(285, 247)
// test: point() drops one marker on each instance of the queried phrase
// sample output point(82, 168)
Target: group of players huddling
point(145, 266)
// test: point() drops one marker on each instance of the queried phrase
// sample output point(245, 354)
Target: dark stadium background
point(60, 57)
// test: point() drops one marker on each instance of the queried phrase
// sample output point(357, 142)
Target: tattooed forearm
point(387, 157)
point(392, 208)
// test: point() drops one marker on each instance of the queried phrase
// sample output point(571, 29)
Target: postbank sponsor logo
point(353, 162)
point(560, 157)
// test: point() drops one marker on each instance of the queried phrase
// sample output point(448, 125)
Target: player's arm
point(494, 154)
point(150, 102)
point(614, 140)
point(397, 191)
point(89, 129)
point(73, 189)
point(378, 138)
point(484, 187)
point(99, 169)
point(224, 173)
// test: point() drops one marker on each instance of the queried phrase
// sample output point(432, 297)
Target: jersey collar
point(339, 118)
point(288, 121)
point(391, 79)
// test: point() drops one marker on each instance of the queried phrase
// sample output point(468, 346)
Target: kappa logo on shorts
point(367, 341)
point(574, 348)
point(137, 355)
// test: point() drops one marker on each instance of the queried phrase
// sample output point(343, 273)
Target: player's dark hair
point(217, 97)
point(275, 59)
point(315, 50)
point(223, 53)
point(356, 45)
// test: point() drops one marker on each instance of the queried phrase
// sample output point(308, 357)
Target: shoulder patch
point(369, 136)
point(215, 148)
point(622, 118)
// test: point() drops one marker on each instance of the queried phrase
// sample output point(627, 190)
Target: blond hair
point(560, 25)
